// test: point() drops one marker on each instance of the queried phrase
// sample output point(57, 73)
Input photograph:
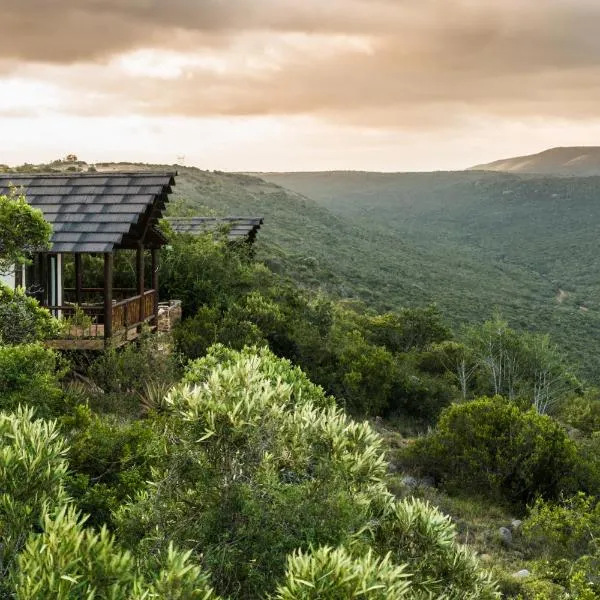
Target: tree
point(458, 359)
point(521, 364)
point(499, 351)
point(550, 379)
point(22, 230)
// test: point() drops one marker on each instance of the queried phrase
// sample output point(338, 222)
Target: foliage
point(32, 471)
point(200, 272)
point(69, 561)
point(418, 535)
point(569, 529)
point(357, 356)
point(22, 230)
point(109, 462)
point(582, 412)
point(333, 574)
point(127, 371)
point(77, 325)
point(273, 369)
point(30, 374)
point(259, 469)
point(520, 364)
point(501, 451)
point(22, 320)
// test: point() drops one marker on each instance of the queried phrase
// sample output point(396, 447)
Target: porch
point(94, 318)
point(86, 326)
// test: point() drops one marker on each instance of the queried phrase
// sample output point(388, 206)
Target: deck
point(84, 329)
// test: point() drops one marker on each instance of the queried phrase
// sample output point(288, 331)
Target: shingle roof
point(236, 227)
point(96, 212)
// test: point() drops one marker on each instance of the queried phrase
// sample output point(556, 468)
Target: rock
point(410, 481)
point(505, 535)
point(516, 524)
point(521, 574)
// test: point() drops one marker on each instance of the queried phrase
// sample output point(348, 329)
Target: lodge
point(95, 215)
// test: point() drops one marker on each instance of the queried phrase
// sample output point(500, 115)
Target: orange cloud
point(374, 62)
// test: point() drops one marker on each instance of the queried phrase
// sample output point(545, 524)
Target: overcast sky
point(389, 85)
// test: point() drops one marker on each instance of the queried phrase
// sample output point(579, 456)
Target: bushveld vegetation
point(284, 444)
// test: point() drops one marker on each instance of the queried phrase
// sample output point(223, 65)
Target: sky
point(279, 85)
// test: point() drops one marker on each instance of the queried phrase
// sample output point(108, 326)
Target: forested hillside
point(468, 241)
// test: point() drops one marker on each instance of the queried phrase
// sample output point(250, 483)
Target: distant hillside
point(477, 240)
point(576, 161)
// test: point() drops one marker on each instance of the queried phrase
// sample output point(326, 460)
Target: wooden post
point(78, 278)
point(140, 279)
point(154, 255)
point(108, 296)
point(43, 280)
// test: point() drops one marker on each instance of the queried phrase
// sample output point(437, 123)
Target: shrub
point(568, 529)
point(22, 320)
point(262, 464)
point(582, 412)
point(30, 374)
point(32, 471)
point(490, 447)
point(110, 462)
point(328, 574)
point(419, 536)
point(70, 561)
point(126, 371)
point(271, 367)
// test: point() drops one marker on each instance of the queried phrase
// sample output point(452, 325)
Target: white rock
point(522, 574)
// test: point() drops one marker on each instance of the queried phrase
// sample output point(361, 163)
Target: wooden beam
point(108, 293)
point(43, 279)
point(78, 277)
point(154, 255)
point(140, 269)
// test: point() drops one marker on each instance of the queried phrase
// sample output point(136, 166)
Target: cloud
point(371, 62)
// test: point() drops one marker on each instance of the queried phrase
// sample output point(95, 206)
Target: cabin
point(238, 229)
point(95, 216)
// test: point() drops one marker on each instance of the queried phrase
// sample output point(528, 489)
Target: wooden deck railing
point(126, 315)
point(134, 311)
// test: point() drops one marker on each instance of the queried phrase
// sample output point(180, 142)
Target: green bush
point(582, 412)
point(69, 561)
point(30, 374)
point(22, 320)
point(490, 447)
point(110, 462)
point(328, 574)
point(32, 471)
point(125, 372)
point(269, 366)
point(565, 530)
point(262, 464)
point(421, 537)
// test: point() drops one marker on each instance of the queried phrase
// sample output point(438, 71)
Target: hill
point(570, 161)
point(477, 240)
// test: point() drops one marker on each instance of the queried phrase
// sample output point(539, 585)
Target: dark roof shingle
point(236, 227)
point(95, 212)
